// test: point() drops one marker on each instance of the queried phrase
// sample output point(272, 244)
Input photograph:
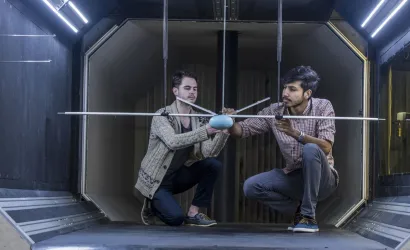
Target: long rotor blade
point(196, 106)
point(233, 116)
point(253, 104)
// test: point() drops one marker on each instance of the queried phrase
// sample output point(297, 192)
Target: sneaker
point(199, 219)
point(147, 215)
point(306, 225)
point(296, 219)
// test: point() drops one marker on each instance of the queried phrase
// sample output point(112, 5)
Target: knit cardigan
point(165, 138)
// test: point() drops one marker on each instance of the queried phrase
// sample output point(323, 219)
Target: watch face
point(301, 137)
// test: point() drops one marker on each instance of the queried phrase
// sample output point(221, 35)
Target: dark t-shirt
point(180, 157)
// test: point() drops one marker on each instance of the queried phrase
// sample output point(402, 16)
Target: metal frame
point(365, 131)
point(83, 125)
point(366, 104)
point(15, 226)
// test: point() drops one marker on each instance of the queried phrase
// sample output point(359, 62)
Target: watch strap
point(301, 136)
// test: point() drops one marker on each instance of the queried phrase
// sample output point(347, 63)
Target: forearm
point(175, 141)
point(212, 147)
point(323, 144)
point(183, 140)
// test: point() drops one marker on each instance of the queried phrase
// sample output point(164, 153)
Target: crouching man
point(181, 154)
point(306, 144)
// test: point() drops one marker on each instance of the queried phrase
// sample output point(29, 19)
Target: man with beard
point(306, 144)
point(181, 154)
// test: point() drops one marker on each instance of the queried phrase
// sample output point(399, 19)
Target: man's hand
point(285, 126)
point(228, 111)
point(210, 130)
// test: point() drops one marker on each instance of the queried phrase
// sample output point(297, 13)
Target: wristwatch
point(301, 136)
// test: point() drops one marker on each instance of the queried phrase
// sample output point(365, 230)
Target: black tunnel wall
point(35, 140)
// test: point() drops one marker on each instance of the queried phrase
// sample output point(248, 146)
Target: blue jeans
point(204, 173)
point(283, 192)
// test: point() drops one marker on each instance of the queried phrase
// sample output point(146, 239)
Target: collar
point(305, 112)
point(174, 110)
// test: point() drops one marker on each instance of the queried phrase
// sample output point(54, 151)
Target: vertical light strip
point(389, 17)
point(366, 146)
point(78, 12)
point(389, 119)
point(60, 16)
point(372, 13)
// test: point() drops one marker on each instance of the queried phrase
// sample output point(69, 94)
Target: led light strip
point(72, 6)
point(372, 13)
point(60, 16)
point(389, 17)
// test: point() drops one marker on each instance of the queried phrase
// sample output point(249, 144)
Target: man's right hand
point(228, 111)
point(210, 130)
point(235, 130)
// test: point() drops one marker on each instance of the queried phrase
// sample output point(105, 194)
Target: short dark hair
point(179, 75)
point(308, 77)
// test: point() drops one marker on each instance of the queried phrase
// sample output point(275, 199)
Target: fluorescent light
point(78, 12)
point(372, 13)
point(389, 17)
point(60, 16)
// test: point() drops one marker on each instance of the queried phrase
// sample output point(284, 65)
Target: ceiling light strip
point(373, 13)
point(78, 12)
point(60, 16)
point(389, 17)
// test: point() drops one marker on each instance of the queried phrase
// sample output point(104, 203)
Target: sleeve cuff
point(203, 135)
point(245, 130)
point(327, 136)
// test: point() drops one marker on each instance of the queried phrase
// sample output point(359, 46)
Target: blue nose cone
point(221, 122)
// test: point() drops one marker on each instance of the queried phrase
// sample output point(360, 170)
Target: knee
point(250, 188)
point(175, 219)
point(311, 155)
point(214, 165)
point(310, 149)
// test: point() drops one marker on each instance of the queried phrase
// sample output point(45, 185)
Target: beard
point(293, 104)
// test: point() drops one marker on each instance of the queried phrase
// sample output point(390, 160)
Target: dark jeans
point(204, 173)
point(282, 192)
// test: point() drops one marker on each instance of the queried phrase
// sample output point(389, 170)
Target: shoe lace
point(306, 221)
point(204, 216)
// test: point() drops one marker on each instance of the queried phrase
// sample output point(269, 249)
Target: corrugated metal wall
point(258, 153)
point(35, 148)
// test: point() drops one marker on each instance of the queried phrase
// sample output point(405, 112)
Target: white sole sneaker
point(305, 230)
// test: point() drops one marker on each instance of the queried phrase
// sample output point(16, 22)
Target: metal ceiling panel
point(353, 11)
point(178, 9)
point(293, 10)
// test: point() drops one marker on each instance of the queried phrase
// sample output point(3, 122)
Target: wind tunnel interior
point(125, 74)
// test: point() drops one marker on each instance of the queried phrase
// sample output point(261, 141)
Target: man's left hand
point(285, 126)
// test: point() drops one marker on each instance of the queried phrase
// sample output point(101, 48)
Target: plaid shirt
point(291, 148)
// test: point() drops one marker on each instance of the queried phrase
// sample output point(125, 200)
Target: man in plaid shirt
point(306, 144)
